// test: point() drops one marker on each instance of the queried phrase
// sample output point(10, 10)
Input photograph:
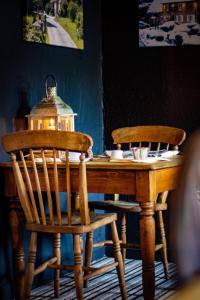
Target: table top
point(105, 163)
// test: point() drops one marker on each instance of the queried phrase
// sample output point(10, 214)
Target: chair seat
point(122, 206)
point(96, 221)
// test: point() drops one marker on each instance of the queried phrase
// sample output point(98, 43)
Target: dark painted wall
point(158, 85)
point(23, 67)
point(145, 86)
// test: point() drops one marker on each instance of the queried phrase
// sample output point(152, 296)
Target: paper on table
point(48, 159)
point(108, 152)
point(73, 157)
point(129, 160)
point(127, 153)
point(146, 160)
point(78, 160)
point(151, 159)
point(169, 153)
point(163, 158)
point(161, 155)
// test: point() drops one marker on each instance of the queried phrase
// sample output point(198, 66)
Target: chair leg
point(88, 254)
point(57, 253)
point(163, 240)
point(118, 259)
point(123, 234)
point(81, 241)
point(31, 265)
point(78, 267)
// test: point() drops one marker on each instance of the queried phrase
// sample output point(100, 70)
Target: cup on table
point(74, 156)
point(116, 154)
point(140, 153)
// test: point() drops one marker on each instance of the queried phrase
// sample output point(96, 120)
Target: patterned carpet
point(105, 287)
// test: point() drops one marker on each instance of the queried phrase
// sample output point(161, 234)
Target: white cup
point(117, 154)
point(136, 153)
point(140, 153)
point(74, 156)
point(144, 152)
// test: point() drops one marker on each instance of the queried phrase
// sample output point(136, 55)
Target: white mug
point(74, 156)
point(144, 152)
point(140, 153)
point(117, 154)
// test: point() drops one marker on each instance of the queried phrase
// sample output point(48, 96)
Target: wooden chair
point(154, 137)
point(46, 217)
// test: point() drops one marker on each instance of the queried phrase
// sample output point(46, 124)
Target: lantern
point(52, 112)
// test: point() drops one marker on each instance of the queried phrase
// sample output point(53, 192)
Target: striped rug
point(105, 287)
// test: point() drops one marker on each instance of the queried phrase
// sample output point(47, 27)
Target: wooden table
point(140, 179)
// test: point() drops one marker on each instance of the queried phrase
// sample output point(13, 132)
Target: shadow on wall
point(20, 120)
point(6, 272)
point(4, 130)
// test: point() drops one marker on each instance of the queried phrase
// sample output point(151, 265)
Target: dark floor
point(105, 287)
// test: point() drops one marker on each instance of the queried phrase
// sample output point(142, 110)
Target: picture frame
point(53, 22)
point(169, 22)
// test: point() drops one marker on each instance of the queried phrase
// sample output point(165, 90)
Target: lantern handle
point(46, 80)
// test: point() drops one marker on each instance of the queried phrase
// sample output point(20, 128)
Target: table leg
point(147, 241)
point(75, 201)
point(17, 245)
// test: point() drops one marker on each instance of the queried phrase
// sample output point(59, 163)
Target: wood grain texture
point(153, 133)
point(147, 243)
point(44, 178)
point(73, 141)
point(120, 175)
point(147, 185)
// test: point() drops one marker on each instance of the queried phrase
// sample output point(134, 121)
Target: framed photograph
point(169, 22)
point(53, 22)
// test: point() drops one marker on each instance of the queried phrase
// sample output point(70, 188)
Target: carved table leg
point(57, 253)
point(147, 241)
point(17, 245)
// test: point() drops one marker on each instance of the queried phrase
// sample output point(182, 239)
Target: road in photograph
point(57, 35)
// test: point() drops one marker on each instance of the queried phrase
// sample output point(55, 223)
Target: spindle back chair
point(37, 181)
point(156, 138)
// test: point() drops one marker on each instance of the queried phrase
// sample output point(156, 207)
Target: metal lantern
point(52, 112)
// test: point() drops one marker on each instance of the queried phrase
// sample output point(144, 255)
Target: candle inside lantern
point(40, 125)
point(67, 124)
point(52, 124)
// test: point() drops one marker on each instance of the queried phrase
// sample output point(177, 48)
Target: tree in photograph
point(37, 5)
point(64, 8)
point(79, 24)
point(72, 10)
point(48, 8)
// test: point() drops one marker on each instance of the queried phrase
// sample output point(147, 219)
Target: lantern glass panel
point(52, 124)
point(67, 123)
point(36, 124)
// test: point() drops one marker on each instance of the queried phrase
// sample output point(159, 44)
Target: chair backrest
point(24, 148)
point(151, 136)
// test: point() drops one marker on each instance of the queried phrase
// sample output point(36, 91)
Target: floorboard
point(105, 287)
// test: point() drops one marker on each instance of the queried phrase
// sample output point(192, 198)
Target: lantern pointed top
point(51, 104)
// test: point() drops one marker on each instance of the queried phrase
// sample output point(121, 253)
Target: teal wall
point(23, 68)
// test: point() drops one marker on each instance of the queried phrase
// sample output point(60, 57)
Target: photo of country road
point(57, 35)
point(54, 22)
